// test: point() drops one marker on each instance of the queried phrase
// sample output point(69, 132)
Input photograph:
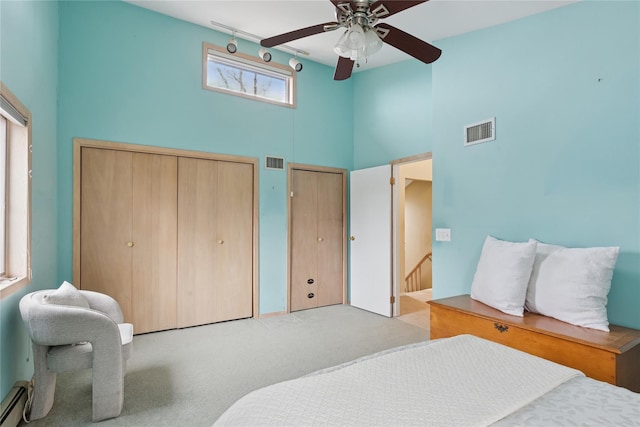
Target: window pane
point(245, 81)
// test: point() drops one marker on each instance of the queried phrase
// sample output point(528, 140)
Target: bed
point(458, 381)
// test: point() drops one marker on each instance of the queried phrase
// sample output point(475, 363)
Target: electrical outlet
point(443, 234)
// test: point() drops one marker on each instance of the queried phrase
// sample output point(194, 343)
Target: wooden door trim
point(79, 143)
point(149, 149)
point(314, 168)
point(411, 159)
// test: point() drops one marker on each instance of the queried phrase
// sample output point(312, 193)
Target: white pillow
point(66, 294)
point(572, 284)
point(503, 273)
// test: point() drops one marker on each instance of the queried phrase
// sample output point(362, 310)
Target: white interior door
point(370, 220)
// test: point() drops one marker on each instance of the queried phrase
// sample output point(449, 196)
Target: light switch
point(443, 234)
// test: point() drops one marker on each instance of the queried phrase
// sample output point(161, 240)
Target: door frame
point(395, 232)
point(79, 143)
point(313, 168)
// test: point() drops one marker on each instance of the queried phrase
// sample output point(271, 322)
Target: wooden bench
point(612, 357)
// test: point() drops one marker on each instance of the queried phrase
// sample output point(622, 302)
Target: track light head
point(295, 64)
point(232, 46)
point(264, 54)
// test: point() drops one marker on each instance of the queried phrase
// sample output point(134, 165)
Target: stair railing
point(413, 281)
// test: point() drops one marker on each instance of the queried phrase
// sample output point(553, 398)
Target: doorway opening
point(412, 241)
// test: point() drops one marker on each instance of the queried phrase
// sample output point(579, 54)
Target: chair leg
point(108, 382)
point(45, 384)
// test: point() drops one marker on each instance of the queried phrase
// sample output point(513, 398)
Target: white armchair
point(72, 330)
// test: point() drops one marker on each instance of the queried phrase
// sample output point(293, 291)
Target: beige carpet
point(188, 377)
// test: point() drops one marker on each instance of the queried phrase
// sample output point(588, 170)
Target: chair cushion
point(67, 358)
point(66, 294)
point(126, 335)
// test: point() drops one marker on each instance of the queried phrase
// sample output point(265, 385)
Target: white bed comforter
point(460, 381)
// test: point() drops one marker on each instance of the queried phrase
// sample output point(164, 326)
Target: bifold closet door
point(215, 241)
point(316, 239)
point(154, 231)
point(105, 224)
point(330, 238)
point(128, 233)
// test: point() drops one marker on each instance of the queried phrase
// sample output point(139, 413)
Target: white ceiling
point(430, 21)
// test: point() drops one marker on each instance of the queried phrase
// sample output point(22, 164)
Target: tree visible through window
point(248, 77)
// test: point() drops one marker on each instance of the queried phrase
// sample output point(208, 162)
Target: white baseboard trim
point(13, 405)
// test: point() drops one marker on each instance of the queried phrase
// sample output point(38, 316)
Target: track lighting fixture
point(264, 54)
point(295, 64)
point(232, 46)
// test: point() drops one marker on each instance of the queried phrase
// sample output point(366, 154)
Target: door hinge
point(393, 299)
point(392, 181)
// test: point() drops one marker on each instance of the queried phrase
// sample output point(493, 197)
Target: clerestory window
point(247, 76)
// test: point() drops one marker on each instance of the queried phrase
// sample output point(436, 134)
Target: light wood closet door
point(316, 239)
point(330, 238)
point(105, 224)
point(215, 241)
point(128, 233)
point(304, 244)
point(154, 231)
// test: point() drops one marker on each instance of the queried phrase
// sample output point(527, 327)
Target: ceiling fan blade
point(343, 69)
point(407, 43)
point(298, 34)
point(344, 8)
point(386, 8)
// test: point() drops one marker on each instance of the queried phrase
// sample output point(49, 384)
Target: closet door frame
point(290, 189)
point(79, 143)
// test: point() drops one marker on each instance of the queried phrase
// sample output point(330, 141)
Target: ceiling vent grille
point(480, 132)
point(276, 163)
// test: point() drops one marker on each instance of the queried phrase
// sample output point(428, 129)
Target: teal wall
point(392, 113)
point(564, 87)
point(131, 75)
point(29, 68)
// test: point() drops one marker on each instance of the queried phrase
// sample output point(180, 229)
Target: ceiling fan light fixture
point(373, 44)
point(358, 43)
point(358, 55)
point(355, 38)
point(341, 46)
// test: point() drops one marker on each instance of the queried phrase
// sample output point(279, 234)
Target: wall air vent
point(276, 163)
point(480, 132)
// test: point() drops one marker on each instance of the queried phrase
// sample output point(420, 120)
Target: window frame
point(249, 62)
point(18, 197)
point(4, 131)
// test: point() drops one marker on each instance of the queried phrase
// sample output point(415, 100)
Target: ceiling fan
point(364, 35)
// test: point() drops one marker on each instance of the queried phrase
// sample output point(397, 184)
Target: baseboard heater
point(13, 405)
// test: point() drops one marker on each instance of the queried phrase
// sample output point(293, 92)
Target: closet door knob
point(130, 244)
point(352, 238)
point(220, 242)
point(320, 239)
